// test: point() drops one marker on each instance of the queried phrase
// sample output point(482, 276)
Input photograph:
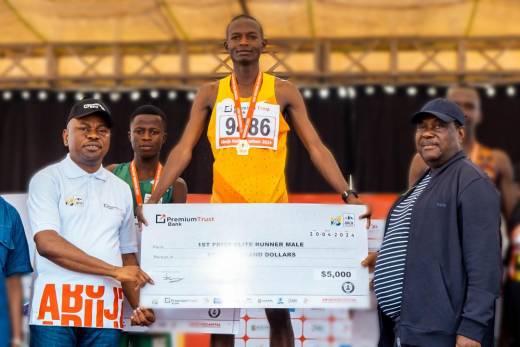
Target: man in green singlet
point(147, 135)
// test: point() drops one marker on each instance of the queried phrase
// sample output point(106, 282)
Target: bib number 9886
point(262, 127)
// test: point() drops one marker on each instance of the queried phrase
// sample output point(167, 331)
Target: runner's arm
point(291, 100)
point(180, 155)
point(417, 168)
point(506, 183)
point(180, 191)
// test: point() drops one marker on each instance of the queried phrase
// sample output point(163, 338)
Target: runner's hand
point(140, 216)
point(352, 200)
point(132, 273)
point(142, 316)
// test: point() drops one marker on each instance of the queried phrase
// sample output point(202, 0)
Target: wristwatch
point(347, 193)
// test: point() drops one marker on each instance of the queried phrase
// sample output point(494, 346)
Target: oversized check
point(255, 255)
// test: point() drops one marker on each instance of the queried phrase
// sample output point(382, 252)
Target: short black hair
point(148, 109)
point(245, 16)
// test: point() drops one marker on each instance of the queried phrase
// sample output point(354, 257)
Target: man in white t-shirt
point(81, 217)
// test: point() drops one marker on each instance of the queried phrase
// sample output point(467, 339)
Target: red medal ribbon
point(135, 181)
point(244, 128)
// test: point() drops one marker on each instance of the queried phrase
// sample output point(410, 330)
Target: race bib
point(264, 129)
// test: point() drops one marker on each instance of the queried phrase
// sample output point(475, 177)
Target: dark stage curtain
point(369, 135)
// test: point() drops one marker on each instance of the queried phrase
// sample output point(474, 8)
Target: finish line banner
point(255, 256)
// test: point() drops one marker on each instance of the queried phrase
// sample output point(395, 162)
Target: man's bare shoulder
point(499, 154)
point(210, 86)
point(207, 93)
point(501, 159)
point(284, 85)
point(286, 92)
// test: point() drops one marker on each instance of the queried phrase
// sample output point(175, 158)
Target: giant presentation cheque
point(255, 256)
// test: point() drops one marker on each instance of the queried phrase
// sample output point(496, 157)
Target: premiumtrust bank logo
point(162, 218)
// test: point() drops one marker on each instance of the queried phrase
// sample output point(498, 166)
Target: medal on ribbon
point(135, 181)
point(243, 126)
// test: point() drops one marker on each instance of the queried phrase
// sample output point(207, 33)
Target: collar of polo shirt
point(72, 170)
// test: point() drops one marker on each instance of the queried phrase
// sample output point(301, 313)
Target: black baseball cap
point(88, 107)
point(442, 108)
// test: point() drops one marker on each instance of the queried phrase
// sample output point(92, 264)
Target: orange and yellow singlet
point(260, 175)
point(483, 157)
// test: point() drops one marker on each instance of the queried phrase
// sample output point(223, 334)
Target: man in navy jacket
point(438, 271)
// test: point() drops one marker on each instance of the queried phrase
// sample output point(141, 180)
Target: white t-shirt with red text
point(93, 211)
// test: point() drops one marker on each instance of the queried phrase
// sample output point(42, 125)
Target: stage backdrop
point(370, 135)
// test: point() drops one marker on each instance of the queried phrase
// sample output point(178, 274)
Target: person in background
point(15, 262)
point(147, 136)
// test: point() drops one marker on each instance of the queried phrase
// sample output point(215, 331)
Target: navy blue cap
point(444, 109)
point(87, 107)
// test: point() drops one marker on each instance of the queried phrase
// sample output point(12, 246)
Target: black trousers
point(511, 316)
point(387, 336)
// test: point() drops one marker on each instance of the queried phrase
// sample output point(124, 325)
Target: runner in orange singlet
point(494, 162)
point(250, 147)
